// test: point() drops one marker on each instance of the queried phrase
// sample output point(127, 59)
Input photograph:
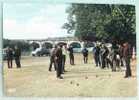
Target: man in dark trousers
point(17, 56)
point(127, 56)
point(71, 55)
point(115, 49)
point(85, 55)
point(105, 53)
point(9, 55)
point(58, 60)
point(96, 51)
point(121, 54)
point(52, 58)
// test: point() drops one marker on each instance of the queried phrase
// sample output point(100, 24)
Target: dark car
point(43, 52)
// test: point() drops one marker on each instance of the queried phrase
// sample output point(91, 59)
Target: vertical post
point(1, 46)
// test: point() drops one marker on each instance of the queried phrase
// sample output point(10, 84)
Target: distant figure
point(96, 52)
point(109, 58)
point(64, 53)
point(52, 58)
point(71, 55)
point(127, 56)
point(115, 55)
point(17, 56)
point(121, 54)
point(58, 60)
point(9, 55)
point(104, 54)
point(85, 55)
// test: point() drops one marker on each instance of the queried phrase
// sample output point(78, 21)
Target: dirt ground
point(86, 80)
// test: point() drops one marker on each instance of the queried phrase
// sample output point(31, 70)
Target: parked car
point(77, 50)
point(90, 49)
point(41, 52)
point(34, 53)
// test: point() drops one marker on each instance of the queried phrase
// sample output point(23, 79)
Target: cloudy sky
point(34, 21)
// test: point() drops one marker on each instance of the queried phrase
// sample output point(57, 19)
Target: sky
point(34, 20)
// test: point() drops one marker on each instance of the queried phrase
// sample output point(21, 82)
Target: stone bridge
point(53, 42)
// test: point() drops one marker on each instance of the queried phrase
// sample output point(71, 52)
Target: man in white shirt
point(64, 53)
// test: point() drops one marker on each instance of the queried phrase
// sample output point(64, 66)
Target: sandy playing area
point(34, 79)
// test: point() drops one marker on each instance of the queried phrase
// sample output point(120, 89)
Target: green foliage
point(101, 21)
point(23, 45)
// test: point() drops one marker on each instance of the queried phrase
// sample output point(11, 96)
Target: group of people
point(113, 57)
point(104, 57)
point(58, 58)
point(13, 54)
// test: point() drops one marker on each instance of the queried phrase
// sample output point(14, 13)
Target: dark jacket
point(85, 52)
point(17, 53)
point(127, 52)
point(9, 54)
point(70, 49)
point(58, 54)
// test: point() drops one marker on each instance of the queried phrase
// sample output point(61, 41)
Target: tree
point(23, 45)
point(104, 22)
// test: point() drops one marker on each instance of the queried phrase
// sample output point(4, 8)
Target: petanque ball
point(86, 77)
point(77, 84)
point(71, 82)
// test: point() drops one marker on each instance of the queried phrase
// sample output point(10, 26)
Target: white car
point(34, 53)
point(90, 49)
point(77, 50)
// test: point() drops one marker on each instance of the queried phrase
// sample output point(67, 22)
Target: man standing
point(58, 59)
point(17, 55)
point(127, 56)
point(105, 53)
point(115, 49)
point(9, 55)
point(52, 60)
point(70, 49)
point(96, 51)
point(85, 55)
point(121, 54)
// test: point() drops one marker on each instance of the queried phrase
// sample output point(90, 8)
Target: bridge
point(63, 40)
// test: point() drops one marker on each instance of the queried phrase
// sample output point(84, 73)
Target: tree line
point(23, 45)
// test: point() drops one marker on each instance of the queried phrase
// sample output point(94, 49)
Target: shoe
point(60, 77)
point(126, 77)
point(65, 71)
